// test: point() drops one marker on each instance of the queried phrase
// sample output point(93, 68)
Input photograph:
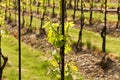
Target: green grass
point(87, 4)
point(96, 16)
point(112, 44)
point(34, 65)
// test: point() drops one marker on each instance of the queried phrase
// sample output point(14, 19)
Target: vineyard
point(59, 39)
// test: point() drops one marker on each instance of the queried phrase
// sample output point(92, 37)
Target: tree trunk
point(6, 10)
point(15, 12)
point(74, 10)
point(80, 32)
point(9, 19)
point(23, 18)
point(41, 29)
point(31, 17)
point(4, 58)
point(48, 2)
point(118, 13)
point(0, 0)
point(78, 3)
point(65, 10)
point(70, 4)
point(38, 6)
point(91, 12)
point(102, 5)
point(53, 11)
point(103, 35)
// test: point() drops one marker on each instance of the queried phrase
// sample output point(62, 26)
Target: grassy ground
point(112, 44)
point(34, 66)
point(33, 63)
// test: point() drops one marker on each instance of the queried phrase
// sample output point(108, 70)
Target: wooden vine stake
point(63, 46)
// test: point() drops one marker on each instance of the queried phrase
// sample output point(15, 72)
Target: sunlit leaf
point(74, 68)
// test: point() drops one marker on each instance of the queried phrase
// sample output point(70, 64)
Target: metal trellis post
point(19, 39)
point(63, 47)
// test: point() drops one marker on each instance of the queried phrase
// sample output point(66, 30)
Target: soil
point(86, 60)
point(32, 39)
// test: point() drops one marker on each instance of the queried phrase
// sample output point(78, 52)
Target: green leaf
point(54, 52)
point(69, 77)
point(67, 48)
point(74, 68)
point(54, 63)
point(46, 24)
